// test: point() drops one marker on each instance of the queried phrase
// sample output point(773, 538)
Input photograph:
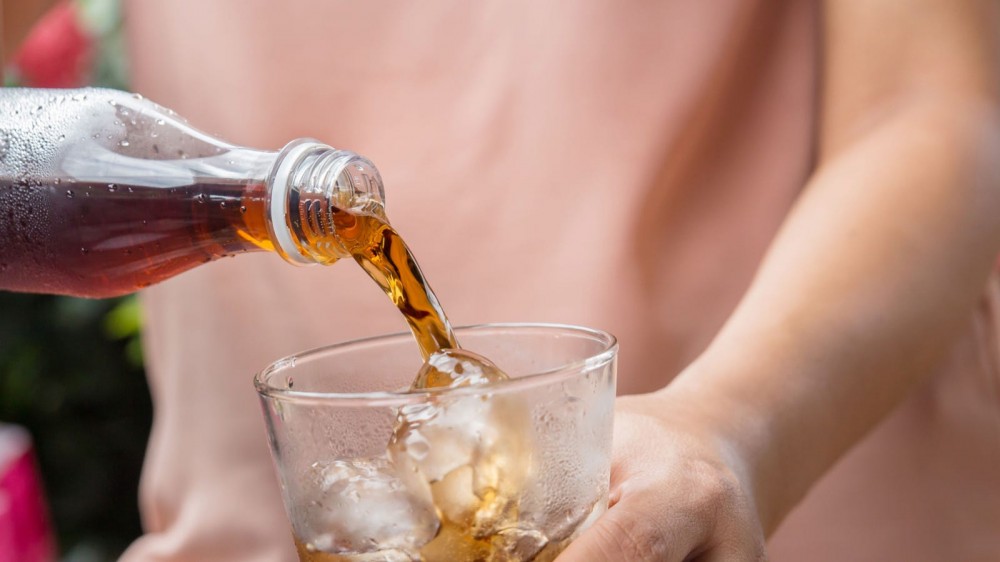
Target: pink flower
point(57, 53)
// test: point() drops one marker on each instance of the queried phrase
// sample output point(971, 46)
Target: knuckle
point(715, 488)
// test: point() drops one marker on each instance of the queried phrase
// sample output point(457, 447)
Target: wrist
point(750, 429)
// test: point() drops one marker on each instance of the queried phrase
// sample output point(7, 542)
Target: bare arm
point(887, 250)
point(874, 270)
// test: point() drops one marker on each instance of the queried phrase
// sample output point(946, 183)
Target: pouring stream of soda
point(460, 481)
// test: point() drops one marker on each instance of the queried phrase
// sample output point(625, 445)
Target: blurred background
point(71, 370)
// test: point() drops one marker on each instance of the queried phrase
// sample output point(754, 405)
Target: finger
point(745, 546)
point(633, 532)
point(614, 538)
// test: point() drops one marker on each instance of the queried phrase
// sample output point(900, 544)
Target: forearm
point(876, 268)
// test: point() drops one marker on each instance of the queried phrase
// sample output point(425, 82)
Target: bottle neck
point(308, 183)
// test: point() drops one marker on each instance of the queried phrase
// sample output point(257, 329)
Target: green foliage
point(69, 373)
point(102, 19)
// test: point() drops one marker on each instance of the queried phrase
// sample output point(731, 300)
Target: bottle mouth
point(308, 183)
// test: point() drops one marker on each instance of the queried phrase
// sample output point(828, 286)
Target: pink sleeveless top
point(622, 167)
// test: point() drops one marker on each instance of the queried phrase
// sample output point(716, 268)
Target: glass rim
point(609, 349)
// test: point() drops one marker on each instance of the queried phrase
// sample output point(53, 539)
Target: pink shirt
point(617, 166)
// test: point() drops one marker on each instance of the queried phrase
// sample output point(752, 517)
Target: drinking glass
point(509, 471)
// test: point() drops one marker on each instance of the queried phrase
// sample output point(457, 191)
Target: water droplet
point(62, 137)
point(69, 194)
point(84, 251)
point(144, 222)
point(200, 198)
point(243, 209)
point(112, 187)
point(123, 143)
point(57, 181)
point(160, 122)
point(222, 204)
point(129, 189)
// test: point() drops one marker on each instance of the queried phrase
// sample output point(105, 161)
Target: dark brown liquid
point(452, 544)
point(381, 252)
point(102, 240)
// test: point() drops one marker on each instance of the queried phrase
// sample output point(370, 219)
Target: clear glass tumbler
point(507, 472)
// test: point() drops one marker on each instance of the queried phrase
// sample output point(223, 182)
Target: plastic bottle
point(103, 192)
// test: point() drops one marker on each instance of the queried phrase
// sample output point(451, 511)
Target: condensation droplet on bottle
point(222, 204)
point(160, 122)
point(144, 222)
point(84, 251)
point(243, 209)
point(57, 181)
point(123, 143)
point(69, 194)
point(62, 137)
point(129, 189)
point(200, 198)
point(112, 187)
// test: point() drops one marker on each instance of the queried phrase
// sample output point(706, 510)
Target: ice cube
point(471, 448)
point(517, 543)
point(456, 367)
point(364, 505)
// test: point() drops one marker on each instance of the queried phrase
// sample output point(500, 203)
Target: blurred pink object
point(57, 53)
point(25, 535)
